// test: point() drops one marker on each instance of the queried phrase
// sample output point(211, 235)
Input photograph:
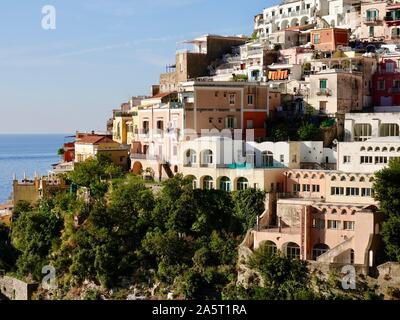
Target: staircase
point(167, 169)
point(330, 255)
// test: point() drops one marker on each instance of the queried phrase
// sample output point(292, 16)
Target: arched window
point(344, 212)
point(377, 149)
point(190, 158)
point(362, 179)
point(305, 176)
point(225, 184)
point(343, 178)
point(271, 246)
point(322, 176)
point(333, 178)
point(334, 211)
point(384, 149)
point(206, 158)
point(370, 149)
point(362, 149)
point(298, 176)
point(392, 149)
point(193, 180)
point(371, 179)
point(319, 249)
point(292, 251)
point(289, 175)
point(352, 179)
point(208, 183)
point(314, 177)
point(324, 211)
point(242, 184)
point(267, 159)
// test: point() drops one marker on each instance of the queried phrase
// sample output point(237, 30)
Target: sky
point(101, 53)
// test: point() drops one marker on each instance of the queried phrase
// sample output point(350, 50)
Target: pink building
point(326, 216)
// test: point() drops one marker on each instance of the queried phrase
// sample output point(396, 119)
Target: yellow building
point(88, 147)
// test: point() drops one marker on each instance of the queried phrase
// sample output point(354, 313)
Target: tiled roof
point(94, 139)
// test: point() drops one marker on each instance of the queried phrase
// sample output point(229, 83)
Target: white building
point(364, 126)
point(367, 156)
point(289, 14)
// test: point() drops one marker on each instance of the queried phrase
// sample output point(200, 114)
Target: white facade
point(368, 156)
point(364, 126)
point(289, 14)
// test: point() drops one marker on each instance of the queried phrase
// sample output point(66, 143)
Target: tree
point(387, 192)
point(249, 204)
point(309, 132)
point(34, 234)
point(7, 252)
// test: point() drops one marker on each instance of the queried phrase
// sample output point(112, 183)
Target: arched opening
point(137, 168)
point(271, 246)
point(193, 180)
point(294, 22)
point(225, 184)
point(292, 251)
point(208, 183)
point(284, 24)
point(333, 178)
point(206, 158)
point(304, 21)
point(343, 178)
point(242, 184)
point(190, 158)
point(319, 249)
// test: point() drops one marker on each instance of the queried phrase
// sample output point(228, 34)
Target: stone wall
point(15, 289)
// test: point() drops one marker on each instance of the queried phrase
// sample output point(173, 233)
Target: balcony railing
point(324, 92)
point(372, 20)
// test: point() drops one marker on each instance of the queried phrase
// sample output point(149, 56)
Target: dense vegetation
point(117, 230)
point(387, 192)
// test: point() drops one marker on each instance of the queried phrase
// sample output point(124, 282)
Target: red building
point(69, 151)
point(386, 84)
point(255, 120)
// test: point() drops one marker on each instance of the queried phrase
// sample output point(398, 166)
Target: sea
point(27, 154)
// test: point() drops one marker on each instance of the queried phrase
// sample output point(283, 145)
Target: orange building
point(329, 39)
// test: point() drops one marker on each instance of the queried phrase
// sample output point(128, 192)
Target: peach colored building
point(329, 39)
point(326, 216)
point(373, 26)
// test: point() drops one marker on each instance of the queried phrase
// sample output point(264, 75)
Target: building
point(39, 188)
point(392, 20)
point(194, 60)
point(89, 146)
point(364, 126)
point(329, 39)
point(336, 92)
point(368, 156)
point(386, 84)
point(289, 14)
point(326, 216)
point(373, 26)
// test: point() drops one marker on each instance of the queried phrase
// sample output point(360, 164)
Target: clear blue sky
point(102, 53)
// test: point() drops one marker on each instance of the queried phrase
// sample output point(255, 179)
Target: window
point(232, 99)
point(267, 159)
point(367, 192)
point(362, 131)
point(289, 10)
point(348, 225)
point(306, 188)
point(296, 187)
point(352, 192)
point(319, 224)
point(230, 122)
point(282, 158)
point(250, 99)
point(315, 188)
point(337, 191)
point(250, 124)
point(333, 224)
point(319, 250)
point(216, 94)
point(322, 106)
point(381, 85)
point(160, 125)
point(208, 183)
point(381, 160)
point(207, 157)
point(210, 120)
point(297, 8)
point(389, 67)
point(316, 38)
point(308, 6)
point(389, 130)
point(292, 251)
point(371, 31)
point(225, 184)
point(242, 184)
point(346, 159)
point(323, 85)
point(367, 160)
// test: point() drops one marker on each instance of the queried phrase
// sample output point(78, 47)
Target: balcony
point(372, 20)
point(324, 92)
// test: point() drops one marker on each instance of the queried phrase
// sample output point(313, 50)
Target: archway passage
point(319, 249)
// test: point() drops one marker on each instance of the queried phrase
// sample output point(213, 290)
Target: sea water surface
point(26, 153)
